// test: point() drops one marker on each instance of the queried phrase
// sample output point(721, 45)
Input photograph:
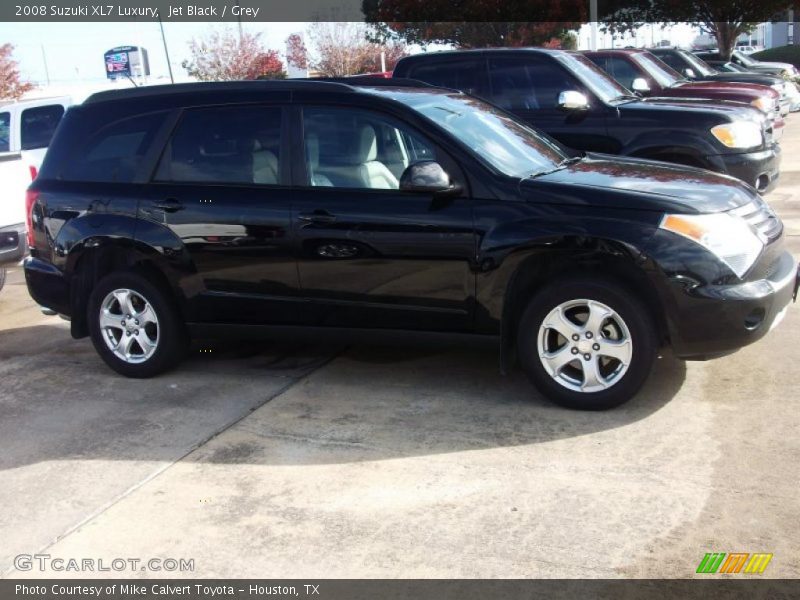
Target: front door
point(222, 187)
point(529, 86)
point(370, 255)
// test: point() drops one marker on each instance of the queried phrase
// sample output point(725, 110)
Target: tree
point(266, 65)
point(296, 52)
point(345, 48)
point(11, 85)
point(225, 56)
point(725, 19)
point(534, 22)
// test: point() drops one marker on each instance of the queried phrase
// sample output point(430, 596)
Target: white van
point(25, 131)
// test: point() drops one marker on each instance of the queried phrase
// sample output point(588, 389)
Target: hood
point(725, 109)
point(775, 65)
point(727, 88)
point(759, 78)
point(623, 182)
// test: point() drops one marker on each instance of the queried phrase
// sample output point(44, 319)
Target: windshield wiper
point(625, 97)
point(564, 163)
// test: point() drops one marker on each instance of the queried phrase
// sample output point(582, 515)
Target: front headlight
point(739, 134)
point(726, 236)
point(763, 104)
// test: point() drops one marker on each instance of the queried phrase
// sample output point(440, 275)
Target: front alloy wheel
point(587, 343)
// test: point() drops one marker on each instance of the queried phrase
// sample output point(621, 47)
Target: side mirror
point(572, 100)
point(689, 73)
point(426, 176)
point(640, 85)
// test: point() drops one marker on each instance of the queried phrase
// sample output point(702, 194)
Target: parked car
point(748, 49)
point(785, 70)
point(387, 210)
point(642, 72)
point(25, 132)
point(697, 69)
point(573, 100)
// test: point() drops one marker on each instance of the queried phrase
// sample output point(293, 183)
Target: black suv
point(569, 97)
point(281, 208)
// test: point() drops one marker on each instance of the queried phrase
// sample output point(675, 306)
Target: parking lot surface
point(271, 460)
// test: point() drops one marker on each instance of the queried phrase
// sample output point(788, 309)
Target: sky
point(74, 51)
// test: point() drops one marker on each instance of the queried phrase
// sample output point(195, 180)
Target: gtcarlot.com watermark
point(46, 562)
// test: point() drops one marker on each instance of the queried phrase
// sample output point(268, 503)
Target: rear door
point(370, 255)
point(222, 187)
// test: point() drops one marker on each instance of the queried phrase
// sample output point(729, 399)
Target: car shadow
point(59, 401)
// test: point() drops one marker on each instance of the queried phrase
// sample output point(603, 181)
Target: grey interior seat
point(372, 172)
point(312, 154)
point(265, 165)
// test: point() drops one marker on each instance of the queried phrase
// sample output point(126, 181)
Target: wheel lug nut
point(136, 332)
point(595, 346)
point(123, 323)
point(136, 321)
point(575, 337)
point(574, 350)
point(588, 335)
point(127, 316)
point(587, 356)
point(127, 333)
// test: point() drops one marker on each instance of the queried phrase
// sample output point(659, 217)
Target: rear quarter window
point(115, 152)
point(37, 125)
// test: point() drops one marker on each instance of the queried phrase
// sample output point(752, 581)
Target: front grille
point(760, 217)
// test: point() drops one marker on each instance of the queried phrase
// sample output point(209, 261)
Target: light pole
point(593, 23)
point(166, 51)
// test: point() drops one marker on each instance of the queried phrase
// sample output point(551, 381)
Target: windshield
point(494, 136)
point(699, 66)
point(593, 77)
point(665, 76)
point(746, 60)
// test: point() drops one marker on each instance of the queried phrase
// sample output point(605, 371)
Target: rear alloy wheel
point(587, 344)
point(134, 326)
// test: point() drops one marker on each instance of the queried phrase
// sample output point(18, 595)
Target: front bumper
point(714, 320)
point(12, 243)
point(760, 169)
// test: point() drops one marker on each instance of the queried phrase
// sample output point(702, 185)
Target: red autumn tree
point(296, 52)
point(266, 65)
point(11, 85)
point(225, 56)
point(529, 22)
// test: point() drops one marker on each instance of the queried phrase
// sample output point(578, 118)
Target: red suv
point(647, 75)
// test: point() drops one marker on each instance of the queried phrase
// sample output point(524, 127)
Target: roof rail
point(372, 81)
point(217, 86)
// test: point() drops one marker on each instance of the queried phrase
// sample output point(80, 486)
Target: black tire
point(626, 305)
point(171, 332)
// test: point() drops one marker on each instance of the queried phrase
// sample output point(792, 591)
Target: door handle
point(318, 216)
point(168, 205)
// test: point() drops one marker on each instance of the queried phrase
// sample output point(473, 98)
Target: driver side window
point(352, 148)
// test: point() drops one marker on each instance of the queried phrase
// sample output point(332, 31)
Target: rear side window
point(468, 75)
point(236, 144)
point(115, 153)
point(5, 131)
point(38, 125)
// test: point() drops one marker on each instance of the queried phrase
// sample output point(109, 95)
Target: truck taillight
point(30, 201)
